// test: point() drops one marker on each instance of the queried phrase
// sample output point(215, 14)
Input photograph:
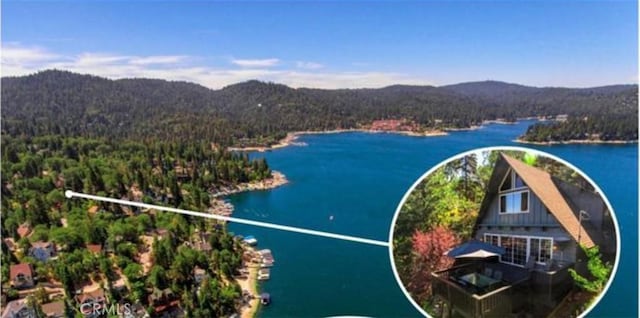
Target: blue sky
point(328, 44)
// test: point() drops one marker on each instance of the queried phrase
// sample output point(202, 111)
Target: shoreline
point(250, 284)
point(577, 141)
point(472, 127)
point(277, 179)
point(492, 122)
point(293, 136)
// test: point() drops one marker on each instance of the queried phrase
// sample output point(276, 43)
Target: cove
point(351, 183)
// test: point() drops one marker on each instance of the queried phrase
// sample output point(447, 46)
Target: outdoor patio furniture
point(479, 281)
point(497, 275)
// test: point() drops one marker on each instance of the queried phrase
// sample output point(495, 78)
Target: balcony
point(482, 289)
point(474, 290)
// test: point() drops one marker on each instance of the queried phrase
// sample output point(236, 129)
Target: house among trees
point(94, 248)
point(162, 300)
point(54, 309)
point(42, 251)
point(24, 230)
point(92, 304)
point(21, 275)
point(11, 244)
point(199, 274)
point(539, 222)
point(202, 246)
point(18, 309)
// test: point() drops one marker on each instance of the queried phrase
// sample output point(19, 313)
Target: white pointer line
point(70, 194)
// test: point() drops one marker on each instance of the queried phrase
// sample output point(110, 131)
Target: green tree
point(598, 271)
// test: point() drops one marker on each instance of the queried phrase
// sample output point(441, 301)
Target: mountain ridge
point(255, 112)
point(257, 81)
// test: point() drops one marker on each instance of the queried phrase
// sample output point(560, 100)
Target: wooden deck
point(516, 291)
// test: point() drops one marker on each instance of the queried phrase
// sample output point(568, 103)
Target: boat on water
point(250, 240)
point(265, 299)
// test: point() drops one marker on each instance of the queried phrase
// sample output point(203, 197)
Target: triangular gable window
point(507, 183)
point(519, 183)
point(514, 195)
point(512, 181)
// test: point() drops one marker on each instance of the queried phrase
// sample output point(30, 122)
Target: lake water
point(359, 179)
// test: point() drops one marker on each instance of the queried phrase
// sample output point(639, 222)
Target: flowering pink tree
point(429, 250)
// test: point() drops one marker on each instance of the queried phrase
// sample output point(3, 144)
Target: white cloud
point(160, 59)
point(89, 59)
point(256, 63)
point(15, 54)
point(22, 61)
point(309, 65)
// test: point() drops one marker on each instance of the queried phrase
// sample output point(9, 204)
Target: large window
point(514, 202)
point(507, 243)
point(541, 249)
point(492, 239)
point(514, 195)
point(518, 249)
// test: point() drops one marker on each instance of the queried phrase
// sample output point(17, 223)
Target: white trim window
point(541, 249)
point(514, 194)
point(492, 239)
point(519, 248)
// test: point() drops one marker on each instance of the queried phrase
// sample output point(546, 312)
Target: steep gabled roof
point(543, 185)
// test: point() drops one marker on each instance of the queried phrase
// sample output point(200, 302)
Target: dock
point(264, 274)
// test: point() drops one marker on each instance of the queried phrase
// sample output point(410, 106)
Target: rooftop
point(22, 268)
point(54, 309)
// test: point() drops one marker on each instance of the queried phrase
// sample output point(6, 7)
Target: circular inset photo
point(504, 232)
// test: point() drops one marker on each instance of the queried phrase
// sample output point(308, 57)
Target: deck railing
point(466, 302)
point(551, 286)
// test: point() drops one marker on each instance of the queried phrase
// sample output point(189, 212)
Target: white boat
point(250, 240)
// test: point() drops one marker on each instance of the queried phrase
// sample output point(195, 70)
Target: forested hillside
point(253, 112)
point(127, 255)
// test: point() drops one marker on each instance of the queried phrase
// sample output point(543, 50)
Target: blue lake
point(359, 179)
